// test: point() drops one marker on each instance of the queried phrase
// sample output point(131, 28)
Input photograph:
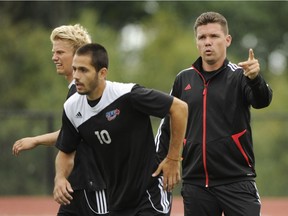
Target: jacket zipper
point(204, 127)
point(204, 134)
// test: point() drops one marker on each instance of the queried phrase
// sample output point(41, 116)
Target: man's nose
point(75, 74)
point(208, 42)
point(54, 57)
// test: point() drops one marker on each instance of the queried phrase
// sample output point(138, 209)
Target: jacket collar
point(198, 65)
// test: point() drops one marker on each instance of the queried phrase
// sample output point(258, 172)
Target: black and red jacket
point(218, 147)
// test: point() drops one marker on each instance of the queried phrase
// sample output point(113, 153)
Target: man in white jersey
point(114, 120)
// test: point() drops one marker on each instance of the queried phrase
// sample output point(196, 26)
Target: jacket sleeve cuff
point(256, 81)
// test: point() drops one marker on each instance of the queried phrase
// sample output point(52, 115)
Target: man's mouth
point(58, 64)
point(78, 84)
point(208, 52)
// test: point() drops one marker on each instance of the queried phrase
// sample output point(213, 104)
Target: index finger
point(251, 54)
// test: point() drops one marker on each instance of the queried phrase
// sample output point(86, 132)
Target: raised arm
point(259, 94)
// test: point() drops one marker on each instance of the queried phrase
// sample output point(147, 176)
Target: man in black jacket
point(218, 159)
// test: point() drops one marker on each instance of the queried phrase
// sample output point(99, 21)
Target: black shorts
point(235, 199)
point(155, 202)
point(88, 203)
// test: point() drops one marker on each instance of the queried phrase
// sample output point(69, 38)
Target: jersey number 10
point(103, 136)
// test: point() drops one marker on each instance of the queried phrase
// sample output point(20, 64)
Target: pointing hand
point(251, 67)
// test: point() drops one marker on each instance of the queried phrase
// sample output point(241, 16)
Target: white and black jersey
point(81, 177)
point(77, 178)
point(119, 131)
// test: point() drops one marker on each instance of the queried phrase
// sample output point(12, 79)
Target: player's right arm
point(170, 166)
point(27, 143)
point(67, 142)
point(62, 188)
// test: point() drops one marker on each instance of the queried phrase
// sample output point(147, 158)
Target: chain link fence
point(32, 172)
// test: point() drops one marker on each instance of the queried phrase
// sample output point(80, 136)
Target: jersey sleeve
point(69, 137)
point(150, 101)
point(162, 138)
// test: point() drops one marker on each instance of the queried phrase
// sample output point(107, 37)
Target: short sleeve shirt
point(119, 131)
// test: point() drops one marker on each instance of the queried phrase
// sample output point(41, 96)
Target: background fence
point(32, 172)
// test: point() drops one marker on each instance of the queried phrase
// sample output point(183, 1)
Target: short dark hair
point(99, 55)
point(211, 17)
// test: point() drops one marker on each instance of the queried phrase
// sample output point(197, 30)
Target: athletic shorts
point(155, 202)
point(235, 199)
point(85, 203)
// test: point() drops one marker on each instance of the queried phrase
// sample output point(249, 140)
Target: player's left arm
point(170, 166)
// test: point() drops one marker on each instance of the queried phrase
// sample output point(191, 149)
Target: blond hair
point(76, 34)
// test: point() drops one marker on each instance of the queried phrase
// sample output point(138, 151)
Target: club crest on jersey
point(111, 115)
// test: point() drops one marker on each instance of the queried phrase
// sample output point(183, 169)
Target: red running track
point(46, 206)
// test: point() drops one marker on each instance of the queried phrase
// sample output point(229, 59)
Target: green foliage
point(26, 70)
point(270, 141)
point(169, 50)
point(28, 173)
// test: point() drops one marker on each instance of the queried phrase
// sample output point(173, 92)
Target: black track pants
point(235, 199)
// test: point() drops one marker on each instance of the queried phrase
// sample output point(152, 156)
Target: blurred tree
point(252, 23)
point(26, 69)
point(112, 13)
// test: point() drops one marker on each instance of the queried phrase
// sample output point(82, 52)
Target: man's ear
point(103, 73)
point(228, 40)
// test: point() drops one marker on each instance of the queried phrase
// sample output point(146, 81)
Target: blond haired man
point(66, 39)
